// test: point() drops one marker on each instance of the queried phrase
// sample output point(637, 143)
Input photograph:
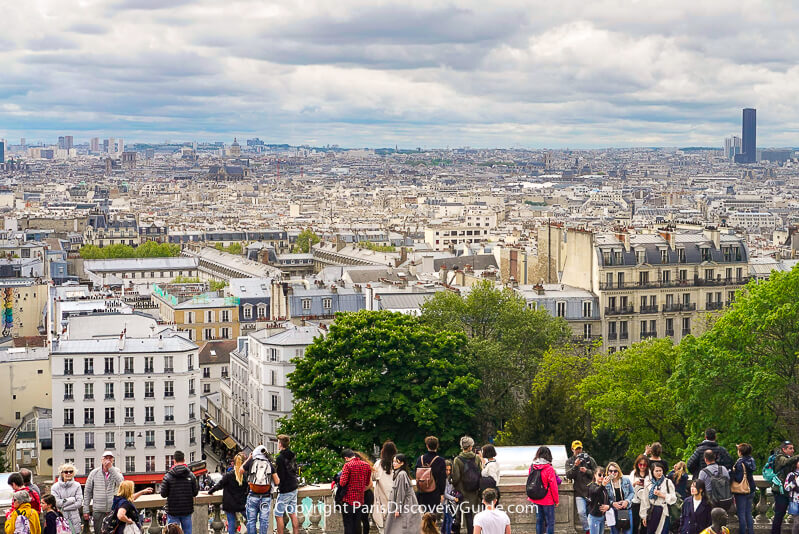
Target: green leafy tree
point(627, 393)
point(378, 376)
point(148, 249)
point(216, 285)
point(742, 376)
point(305, 240)
point(185, 280)
point(506, 341)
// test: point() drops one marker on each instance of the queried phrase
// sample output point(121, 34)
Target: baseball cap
point(108, 453)
point(577, 444)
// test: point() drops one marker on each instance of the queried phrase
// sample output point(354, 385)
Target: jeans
point(258, 511)
point(596, 525)
point(582, 511)
point(231, 522)
point(780, 507)
point(636, 511)
point(620, 513)
point(183, 520)
point(743, 504)
point(545, 518)
point(446, 525)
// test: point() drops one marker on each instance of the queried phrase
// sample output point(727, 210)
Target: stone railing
point(317, 516)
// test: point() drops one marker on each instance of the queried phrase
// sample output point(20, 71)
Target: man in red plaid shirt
point(355, 476)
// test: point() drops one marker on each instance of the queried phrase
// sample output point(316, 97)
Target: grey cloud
point(87, 28)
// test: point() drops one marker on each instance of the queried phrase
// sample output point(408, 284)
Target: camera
point(583, 457)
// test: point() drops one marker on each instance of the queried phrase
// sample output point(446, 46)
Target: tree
point(506, 342)
point(378, 376)
point(741, 377)
point(627, 393)
point(305, 240)
point(148, 249)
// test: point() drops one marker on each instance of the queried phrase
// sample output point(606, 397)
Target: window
point(681, 255)
point(224, 371)
point(206, 388)
point(109, 391)
point(708, 274)
point(587, 330)
point(169, 413)
point(149, 463)
point(686, 326)
point(587, 308)
point(109, 415)
point(68, 391)
point(618, 257)
point(169, 438)
point(620, 279)
point(68, 368)
point(192, 437)
point(129, 390)
point(609, 279)
point(275, 403)
point(149, 414)
point(640, 256)
point(667, 276)
point(262, 311)
point(561, 309)
point(206, 372)
point(327, 303)
point(129, 411)
point(169, 364)
point(128, 365)
point(168, 461)
point(247, 312)
point(306, 304)
point(208, 333)
point(148, 364)
point(130, 464)
point(669, 327)
point(109, 366)
point(109, 440)
point(149, 438)
point(88, 464)
point(606, 257)
point(149, 390)
point(191, 386)
point(88, 366)
point(705, 253)
point(88, 440)
point(130, 439)
point(225, 316)
point(191, 411)
point(88, 416)
point(739, 273)
point(683, 275)
point(273, 355)
point(189, 317)
point(192, 455)
point(686, 299)
point(69, 441)
point(191, 362)
point(653, 327)
point(209, 316)
point(169, 389)
point(88, 391)
point(664, 256)
point(643, 277)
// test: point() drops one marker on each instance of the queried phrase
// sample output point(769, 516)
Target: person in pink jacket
point(545, 507)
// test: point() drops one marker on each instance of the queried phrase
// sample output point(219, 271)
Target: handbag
point(131, 528)
point(623, 520)
point(742, 487)
point(793, 508)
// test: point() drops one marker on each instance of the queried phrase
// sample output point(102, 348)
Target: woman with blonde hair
point(69, 497)
point(679, 475)
point(620, 492)
point(234, 496)
point(126, 511)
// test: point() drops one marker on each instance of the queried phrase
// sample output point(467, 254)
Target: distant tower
point(69, 142)
point(748, 137)
point(2, 152)
point(235, 148)
point(120, 146)
point(94, 144)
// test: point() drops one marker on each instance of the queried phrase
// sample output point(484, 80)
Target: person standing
point(383, 480)
point(452, 499)
point(580, 469)
point(22, 518)
point(52, 515)
point(598, 502)
point(654, 453)
point(490, 472)
point(466, 479)
point(27, 478)
point(695, 515)
point(744, 470)
point(620, 493)
point(403, 514)
point(17, 483)
point(69, 497)
point(98, 493)
point(679, 475)
point(784, 462)
point(714, 470)
point(792, 487)
point(696, 462)
point(126, 511)
point(261, 476)
point(640, 479)
point(286, 469)
point(491, 520)
point(431, 467)
point(356, 475)
point(234, 496)
point(658, 495)
point(179, 487)
point(545, 507)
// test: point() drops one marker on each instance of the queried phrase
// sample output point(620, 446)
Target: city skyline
point(512, 75)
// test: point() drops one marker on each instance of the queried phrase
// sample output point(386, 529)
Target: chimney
point(333, 288)
point(713, 234)
point(443, 273)
point(668, 235)
point(624, 237)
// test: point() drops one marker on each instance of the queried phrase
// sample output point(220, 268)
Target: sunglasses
point(67, 472)
point(613, 470)
point(642, 465)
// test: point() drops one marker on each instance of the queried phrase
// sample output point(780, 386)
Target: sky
point(372, 73)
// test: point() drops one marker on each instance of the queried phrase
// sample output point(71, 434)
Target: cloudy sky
point(498, 73)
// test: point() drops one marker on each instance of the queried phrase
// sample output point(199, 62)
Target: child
point(452, 498)
point(52, 515)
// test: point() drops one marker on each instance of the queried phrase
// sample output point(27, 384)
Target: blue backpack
point(770, 476)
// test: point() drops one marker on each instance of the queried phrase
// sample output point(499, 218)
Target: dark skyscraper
point(2, 153)
point(749, 137)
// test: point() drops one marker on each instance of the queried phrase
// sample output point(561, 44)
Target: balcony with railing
point(714, 305)
point(619, 310)
point(648, 334)
point(680, 282)
point(679, 307)
point(649, 309)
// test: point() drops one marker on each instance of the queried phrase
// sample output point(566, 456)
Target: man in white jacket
point(101, 486)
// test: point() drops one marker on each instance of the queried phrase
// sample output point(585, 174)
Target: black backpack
point(470, 478)
point(535, 485)
point(718, 488)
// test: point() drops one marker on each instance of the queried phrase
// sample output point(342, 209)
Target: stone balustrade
point(317, 514)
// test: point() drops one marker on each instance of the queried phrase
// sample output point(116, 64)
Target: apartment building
point(130, 272)
point(660, 284)
point(137, 397)
point(202, 314)
point(443, 237)
point(578, 307)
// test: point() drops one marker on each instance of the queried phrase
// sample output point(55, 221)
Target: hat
point(577, 444)
point(785, 443)
point(108, 453)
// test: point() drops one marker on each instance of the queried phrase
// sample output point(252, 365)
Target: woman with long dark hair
point(382, 472)
point(695, 516)
point(639, 478)
point(545, 506)
point(368, 495)
point(403, 508)
point(658, 495)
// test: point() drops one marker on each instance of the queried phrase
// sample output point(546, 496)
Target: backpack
point(110, 522)
point(260, 478)
point(425, 482)
point(339, 491)
point(470, 478)
point(718, 490)
point(61, 526)
point(770, 476)
point(535, 485)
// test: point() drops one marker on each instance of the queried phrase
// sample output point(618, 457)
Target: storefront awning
point(230, 442)
point(218, 434)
